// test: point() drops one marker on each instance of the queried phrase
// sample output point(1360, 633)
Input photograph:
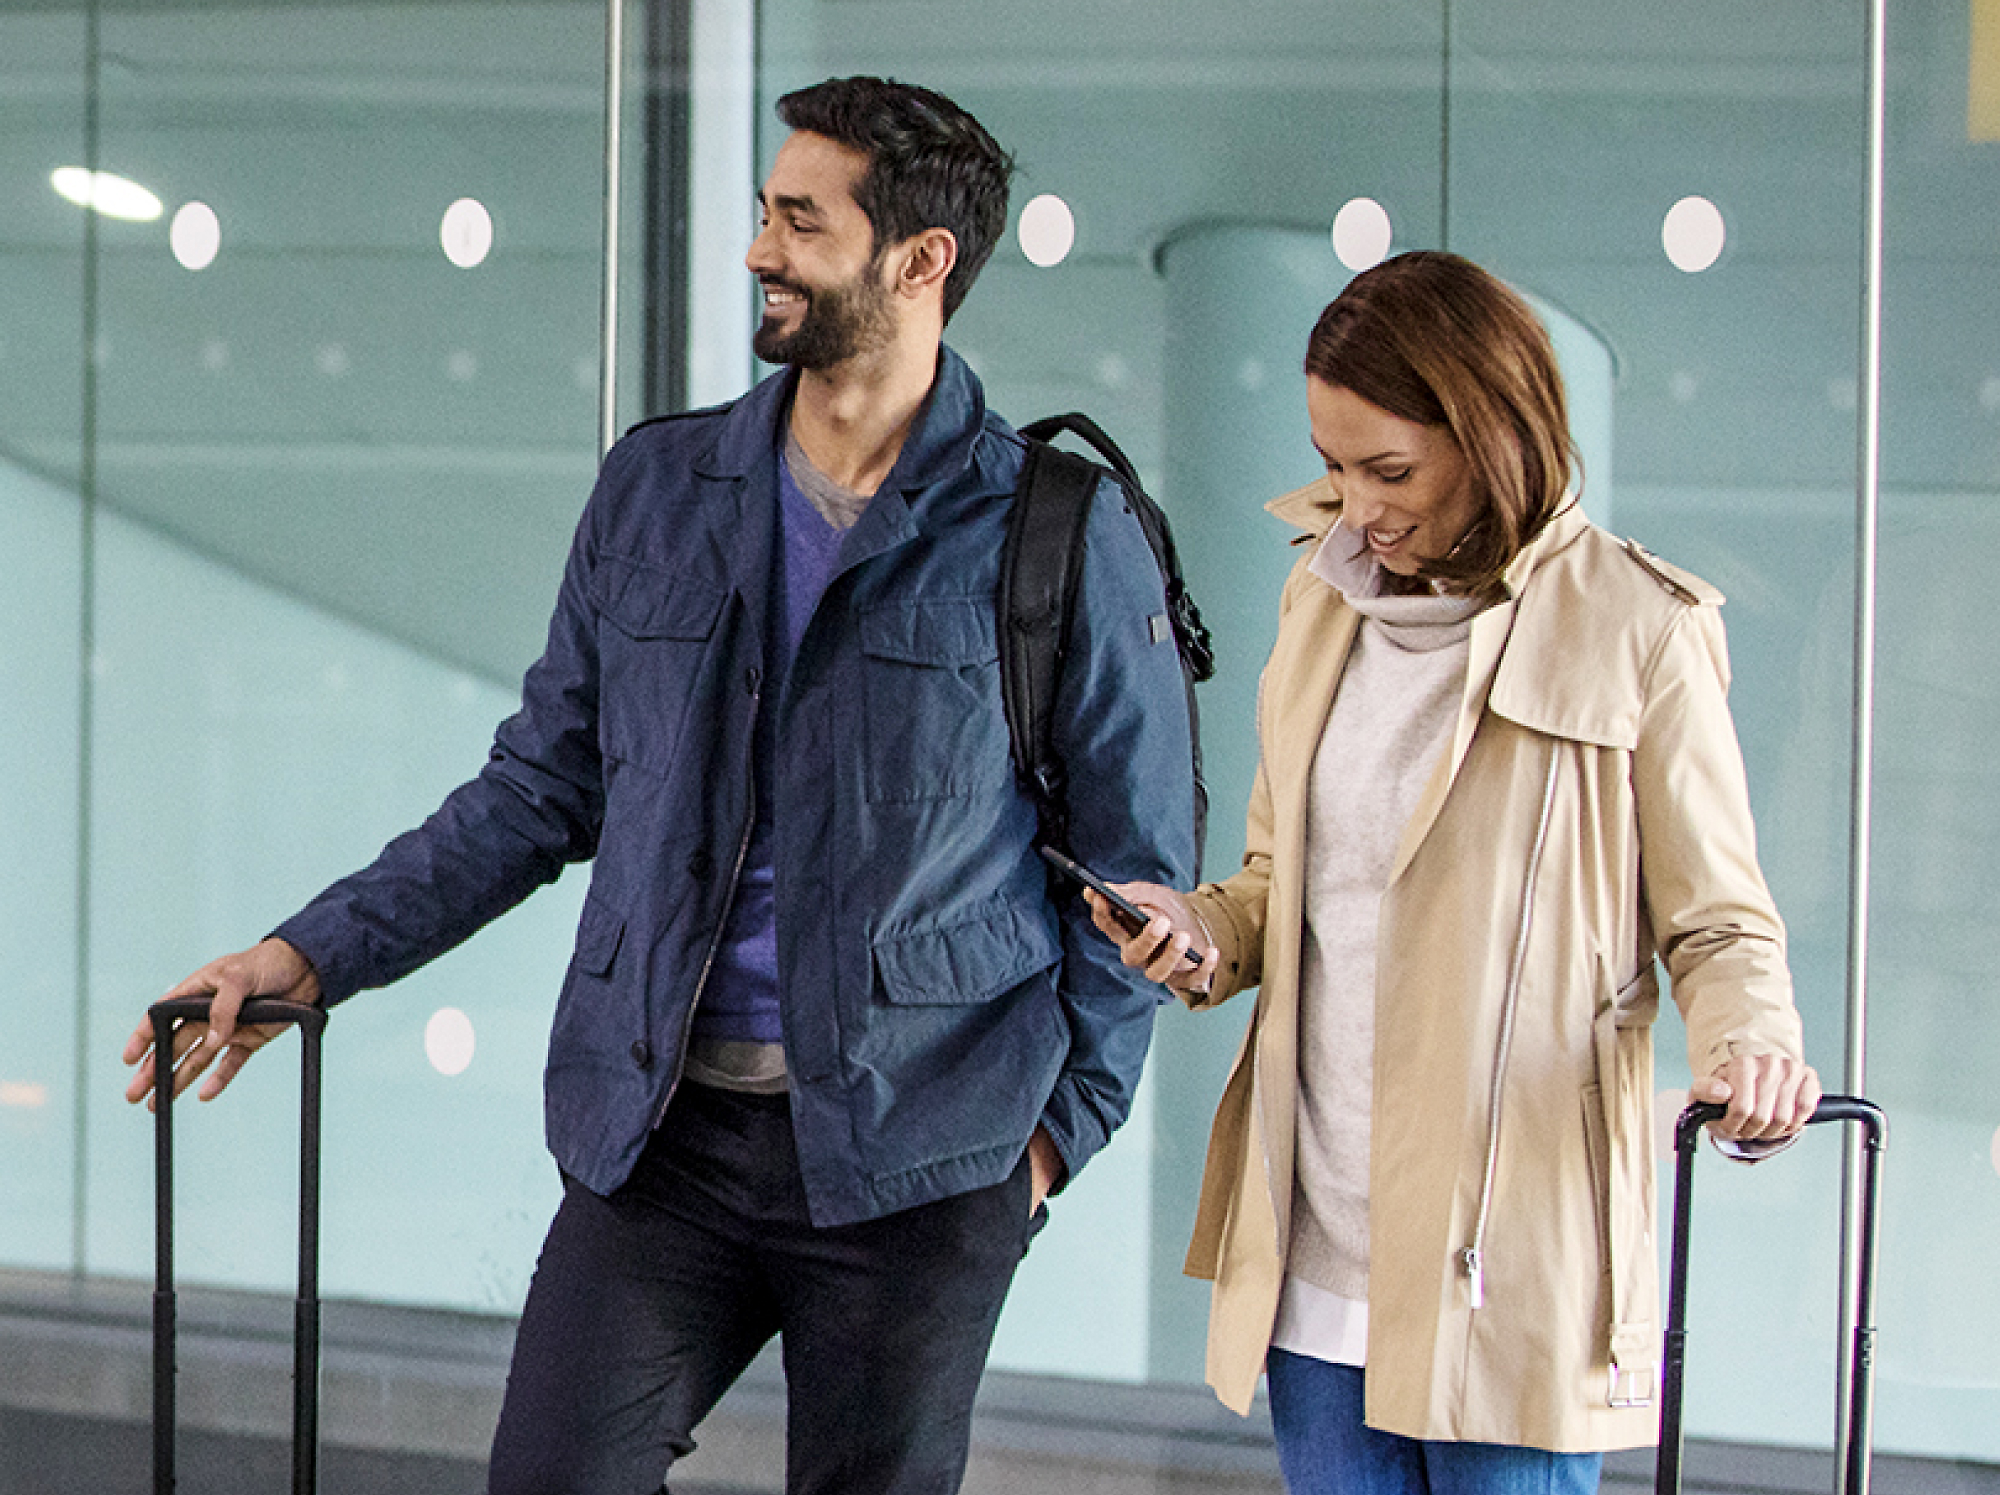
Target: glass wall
point(41, 599)
point(291, 458)
point(285, 491)
point(1205, 155)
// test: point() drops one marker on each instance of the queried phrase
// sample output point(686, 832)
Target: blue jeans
point(646, 1305)
point(1325, 1448)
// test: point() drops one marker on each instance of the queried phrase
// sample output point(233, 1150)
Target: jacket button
point(642, 1054)
point(701, 864)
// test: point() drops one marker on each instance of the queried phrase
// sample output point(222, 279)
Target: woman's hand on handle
point(1161, 948)
point(218, 1047)
point(1770, 1096)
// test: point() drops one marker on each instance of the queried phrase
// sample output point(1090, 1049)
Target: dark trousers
point(645, 1307)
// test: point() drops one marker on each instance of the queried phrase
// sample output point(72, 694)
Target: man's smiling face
point(815, 256)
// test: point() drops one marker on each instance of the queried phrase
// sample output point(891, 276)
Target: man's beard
point(839, 322)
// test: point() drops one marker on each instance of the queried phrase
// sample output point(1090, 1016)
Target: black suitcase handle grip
point(166, 1016)
point(256, 1011)
point(1830, 1108)
point(1687, 1132)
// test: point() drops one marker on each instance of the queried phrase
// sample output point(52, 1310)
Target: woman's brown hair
point(1432, 338)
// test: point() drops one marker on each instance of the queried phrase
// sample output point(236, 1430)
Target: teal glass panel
point(1934, 1029)
point(250, 746)
point(1202, 154)
point(41, 597)
point(338, 465)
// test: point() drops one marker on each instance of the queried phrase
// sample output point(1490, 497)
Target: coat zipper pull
point(1475, 1272)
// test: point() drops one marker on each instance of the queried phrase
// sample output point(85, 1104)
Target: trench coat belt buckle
point(1634, 1385)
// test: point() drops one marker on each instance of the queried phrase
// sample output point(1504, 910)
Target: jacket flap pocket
point(598, 933)
point(969, 961)
point(944, 632)
point(648, 602)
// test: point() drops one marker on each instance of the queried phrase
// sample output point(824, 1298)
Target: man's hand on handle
point(218, 1048)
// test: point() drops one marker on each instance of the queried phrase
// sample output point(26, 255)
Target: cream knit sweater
point(1390, 721)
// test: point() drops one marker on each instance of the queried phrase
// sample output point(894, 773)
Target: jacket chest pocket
point(931, 689)
point(656, 634)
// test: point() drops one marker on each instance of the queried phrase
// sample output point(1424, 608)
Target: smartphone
point(1133, 917)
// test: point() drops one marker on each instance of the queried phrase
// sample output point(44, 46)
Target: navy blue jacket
point(937, 1004)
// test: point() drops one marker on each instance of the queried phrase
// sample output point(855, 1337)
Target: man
point(826, 1041)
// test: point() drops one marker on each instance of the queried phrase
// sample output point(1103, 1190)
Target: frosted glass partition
point(41, 603)
point(40, 586)
point(1552, 140)
point(249, 749)
point(304, 505)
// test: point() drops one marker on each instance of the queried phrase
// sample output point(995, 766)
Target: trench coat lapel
point(1491, 631)
point(1489, 640)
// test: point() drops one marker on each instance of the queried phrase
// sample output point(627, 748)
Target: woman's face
point(1403, 487)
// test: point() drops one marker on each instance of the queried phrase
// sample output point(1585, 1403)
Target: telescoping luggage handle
point(1854, 1477)
point(311, 1022)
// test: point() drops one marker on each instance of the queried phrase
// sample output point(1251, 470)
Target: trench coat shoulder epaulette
point(1684, 585)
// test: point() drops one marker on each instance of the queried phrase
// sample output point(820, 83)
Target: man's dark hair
point(930, 165)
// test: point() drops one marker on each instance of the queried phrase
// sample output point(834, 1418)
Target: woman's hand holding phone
point(1155, 930)
point(1169, 947)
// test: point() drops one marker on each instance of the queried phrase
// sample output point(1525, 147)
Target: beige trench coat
point(1515, 996)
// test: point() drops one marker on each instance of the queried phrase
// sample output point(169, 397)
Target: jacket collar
point(1314, 509)
point(939, 446)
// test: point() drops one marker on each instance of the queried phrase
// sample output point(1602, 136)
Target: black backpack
point(1039, 567)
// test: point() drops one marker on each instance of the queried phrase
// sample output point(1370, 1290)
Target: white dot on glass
point(1047, 230)
point(1989, 394)
point(466, 233)
point(332, 361)
point(1683, 387)
point(1843, 394)
point(195, 235)
point(462, 366)
point(215, 355)
point(583, 373)
point(1362, 234)
point(1693, 234)
point(1250, 375)
point(449, 1041)
point(1113, 372)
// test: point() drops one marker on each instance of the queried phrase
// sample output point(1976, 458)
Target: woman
point(1498, 777)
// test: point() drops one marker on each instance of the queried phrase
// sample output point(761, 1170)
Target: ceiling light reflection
point(25, 1095)
point(113, 196)
point(466, 233)
point(196, 235)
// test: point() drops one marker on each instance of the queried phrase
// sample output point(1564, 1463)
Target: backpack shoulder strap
point(1040, 566)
